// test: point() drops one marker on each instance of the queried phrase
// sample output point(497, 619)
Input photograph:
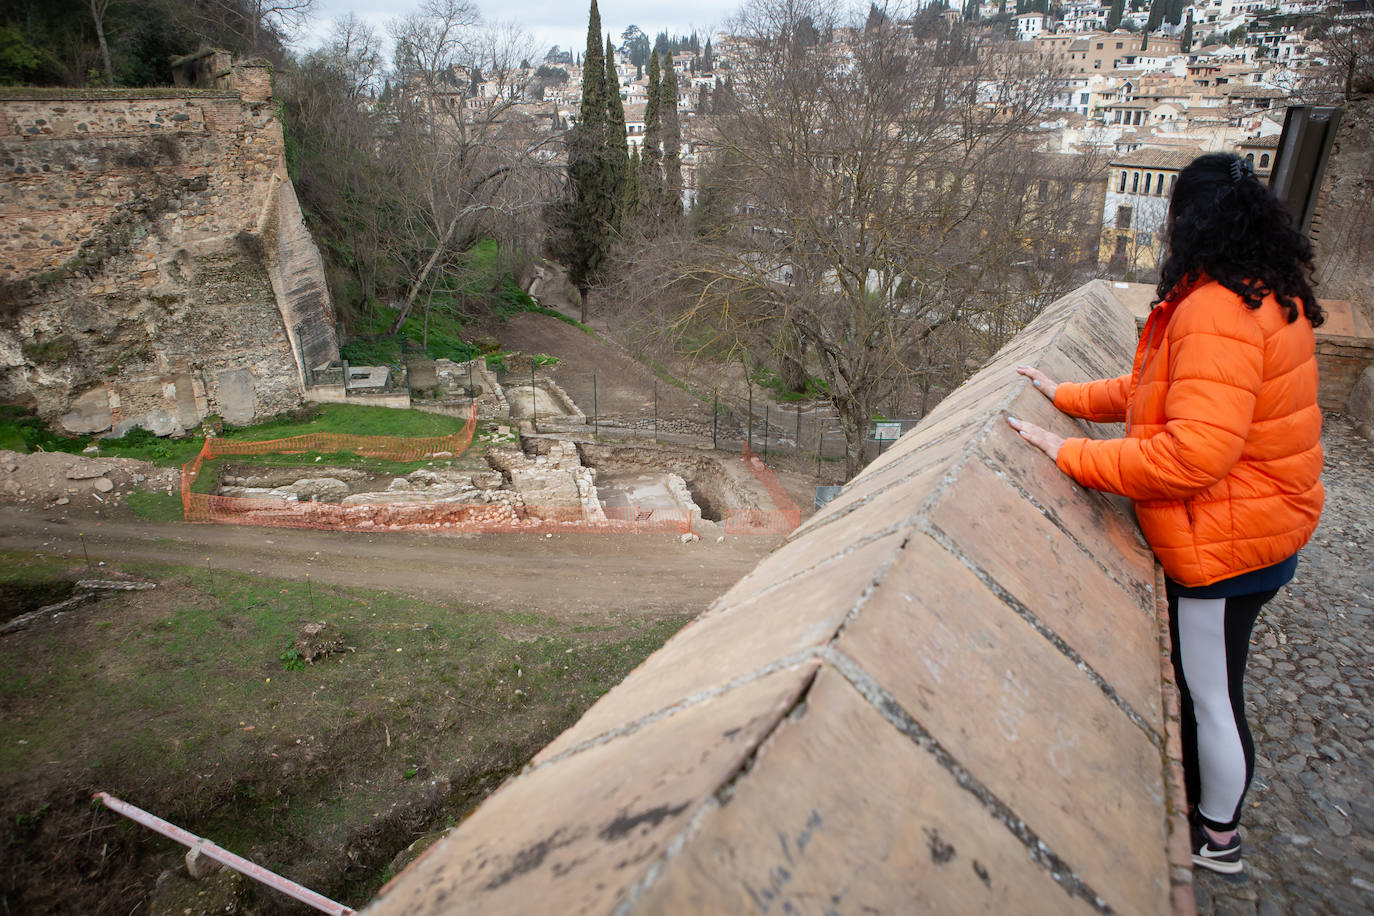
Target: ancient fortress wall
point(947, 692)
point(154, 266)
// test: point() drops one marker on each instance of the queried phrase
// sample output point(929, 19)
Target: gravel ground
point(1308, 828)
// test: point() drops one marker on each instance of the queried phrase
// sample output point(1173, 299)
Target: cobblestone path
point(1308, 826)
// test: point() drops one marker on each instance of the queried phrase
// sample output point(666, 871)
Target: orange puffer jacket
point(1222, 455)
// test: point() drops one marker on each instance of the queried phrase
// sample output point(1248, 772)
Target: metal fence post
point(765, 432)
point(820, 441)
point(715, 417)
point(797, 447)
point(596, 415)
point(750, 438)
point(534, 402)
point(471, 393)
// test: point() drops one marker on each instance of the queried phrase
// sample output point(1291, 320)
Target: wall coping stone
point(53, 94)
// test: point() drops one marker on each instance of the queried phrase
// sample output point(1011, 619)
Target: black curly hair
point(1226, 225)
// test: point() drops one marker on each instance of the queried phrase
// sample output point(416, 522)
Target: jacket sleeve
point(1216, 362)
point(1102, 401)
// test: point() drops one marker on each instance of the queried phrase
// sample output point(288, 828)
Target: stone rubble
point(59, 479)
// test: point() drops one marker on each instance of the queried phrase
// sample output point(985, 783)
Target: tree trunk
point(414, 292)
point(854, 419)
point(98, 8)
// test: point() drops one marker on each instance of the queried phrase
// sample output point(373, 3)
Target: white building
point(1028, 25)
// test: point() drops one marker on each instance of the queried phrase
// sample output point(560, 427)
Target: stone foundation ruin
point(548, 478)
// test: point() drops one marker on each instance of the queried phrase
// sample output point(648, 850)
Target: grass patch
point(156, 507)
point(766, 377)
point(354, 419)
point(263, 753)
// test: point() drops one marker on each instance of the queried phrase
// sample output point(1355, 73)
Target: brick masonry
point(154, 265)
point(946, 692)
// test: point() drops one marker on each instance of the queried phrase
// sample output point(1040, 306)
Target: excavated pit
point(539, 472)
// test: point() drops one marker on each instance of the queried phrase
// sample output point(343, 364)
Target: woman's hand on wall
point(1042, 382)
point(1043, 439)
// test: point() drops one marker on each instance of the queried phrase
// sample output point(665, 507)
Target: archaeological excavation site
point(527, 458)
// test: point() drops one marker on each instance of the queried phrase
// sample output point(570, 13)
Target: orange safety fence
point(202, 507)
point(456, 517)
point(782, 520)
point(474, 517)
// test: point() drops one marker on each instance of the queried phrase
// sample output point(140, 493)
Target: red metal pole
point(237, 863)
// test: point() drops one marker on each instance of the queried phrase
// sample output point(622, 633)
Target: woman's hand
point(1042, 382)
point(1042, 439)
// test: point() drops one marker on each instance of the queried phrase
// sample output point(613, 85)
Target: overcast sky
point(551, 22)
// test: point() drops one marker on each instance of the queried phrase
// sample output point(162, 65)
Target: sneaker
point(1207, 854)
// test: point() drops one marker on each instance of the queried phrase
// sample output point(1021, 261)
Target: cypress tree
point(590, 170)
point(1157, 10)
point(651, 153)
point(631, 203)
point(1185, 44)
point(672, 142)
point(1114, 15)
point(617, 146)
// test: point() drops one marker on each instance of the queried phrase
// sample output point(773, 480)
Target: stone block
point(237, 402)
point(421, 375)
point(901, 506)
point(1005, 538)
point(90, 413)
point(184, 399)
point(1022, 719)
point(578, 834)
point(736, 640)
point(1101, 523)
point(816, 827)
point(874, 484)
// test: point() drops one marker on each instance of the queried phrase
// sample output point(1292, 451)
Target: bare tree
point(1347, 42)
point(470, 156)
point(335, 119)
point(868, 192)
point(98, 10)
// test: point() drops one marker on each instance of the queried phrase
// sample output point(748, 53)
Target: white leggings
point(1211, 640)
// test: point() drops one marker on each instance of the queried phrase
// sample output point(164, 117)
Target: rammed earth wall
point(948, 692)
point(154, 266)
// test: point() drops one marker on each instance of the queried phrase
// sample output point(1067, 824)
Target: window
point(1250, 159)
point(1123, 217)
point(1043, 191)
point(1135, 182)
point(1122, 188)
point(1120, 246)
point(1148, 176)
point(1097, 65)
point(1264, 161)
point(1119, 46)
point(1172, 179)
point(1159, 187)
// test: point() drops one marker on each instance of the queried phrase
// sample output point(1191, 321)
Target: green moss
point(58, 350)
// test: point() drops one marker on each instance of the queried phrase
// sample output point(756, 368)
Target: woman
point(1222, 456)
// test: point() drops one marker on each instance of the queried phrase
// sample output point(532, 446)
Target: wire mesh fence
point(807, 434)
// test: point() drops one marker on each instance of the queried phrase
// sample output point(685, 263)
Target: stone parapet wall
point(944, 693)
point(154, 265)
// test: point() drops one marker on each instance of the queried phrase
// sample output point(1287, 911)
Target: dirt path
point(582, 576)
